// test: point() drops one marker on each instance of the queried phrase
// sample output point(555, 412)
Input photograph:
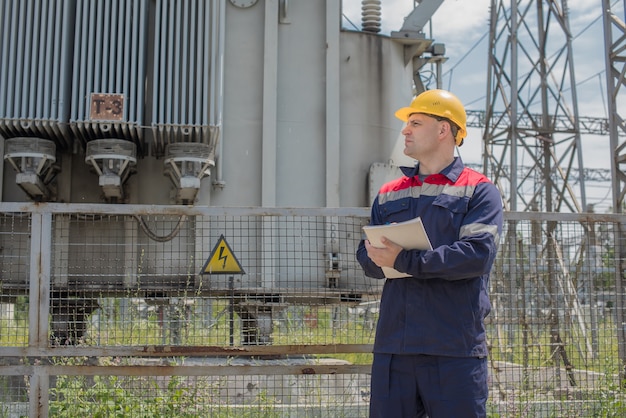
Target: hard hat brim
point(404, 113)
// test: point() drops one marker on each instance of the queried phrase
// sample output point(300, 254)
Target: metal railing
point(201, 311)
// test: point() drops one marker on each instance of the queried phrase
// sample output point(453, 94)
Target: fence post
point(620, 304)
point(39, 308)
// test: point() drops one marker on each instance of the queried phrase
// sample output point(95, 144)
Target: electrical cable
point(163, 238)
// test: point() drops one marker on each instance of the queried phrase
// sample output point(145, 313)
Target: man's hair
point(453, 126)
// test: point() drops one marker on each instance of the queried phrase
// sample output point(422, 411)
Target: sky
point(463, 26)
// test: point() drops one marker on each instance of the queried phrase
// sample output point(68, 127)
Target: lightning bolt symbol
point(222, 257)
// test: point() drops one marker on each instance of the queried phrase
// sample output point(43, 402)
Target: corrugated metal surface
point(167, 73)
point(110, 57)
point(35, 52)
point(187, 67)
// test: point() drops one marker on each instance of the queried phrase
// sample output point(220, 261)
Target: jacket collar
point(452, 172)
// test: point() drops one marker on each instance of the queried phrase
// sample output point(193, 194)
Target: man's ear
point(444, 128)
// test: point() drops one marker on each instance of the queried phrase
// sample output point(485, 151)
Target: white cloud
point(461, 21)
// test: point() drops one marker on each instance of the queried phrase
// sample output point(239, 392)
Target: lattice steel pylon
point(532, 113)
point(615, 56)
point(532, 124)
point(615, 46)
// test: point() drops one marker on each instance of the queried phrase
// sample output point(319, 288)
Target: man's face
point(421, 136)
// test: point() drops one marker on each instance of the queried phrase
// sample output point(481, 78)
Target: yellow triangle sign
point(222, 260)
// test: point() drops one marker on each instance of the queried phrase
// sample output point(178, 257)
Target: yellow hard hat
point(440, 103)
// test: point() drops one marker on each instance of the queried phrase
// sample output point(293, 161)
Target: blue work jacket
point(440, 309)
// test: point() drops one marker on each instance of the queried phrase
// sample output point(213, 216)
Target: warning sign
point(222, 260)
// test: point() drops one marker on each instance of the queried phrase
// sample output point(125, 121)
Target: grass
point(110, 396)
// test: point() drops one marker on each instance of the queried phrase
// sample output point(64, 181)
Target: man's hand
point(383, 257)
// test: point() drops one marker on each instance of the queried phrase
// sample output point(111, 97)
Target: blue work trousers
point(416, 386)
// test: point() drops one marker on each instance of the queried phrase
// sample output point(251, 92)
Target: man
point(430, 351)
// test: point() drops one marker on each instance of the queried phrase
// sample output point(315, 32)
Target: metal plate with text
point(106, 106)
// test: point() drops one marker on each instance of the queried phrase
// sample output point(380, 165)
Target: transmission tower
point(532, 124)
point(531, 110)
point(615, 45)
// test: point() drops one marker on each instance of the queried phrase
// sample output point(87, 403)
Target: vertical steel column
point(333, 154)
point(615, 46)
point(216, 80)
point(615, 53)
point(270, 88)
point(39, 307)
point(333, 109)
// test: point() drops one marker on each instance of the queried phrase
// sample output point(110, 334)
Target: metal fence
point(149, 311)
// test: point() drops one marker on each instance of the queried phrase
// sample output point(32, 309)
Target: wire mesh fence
point(121, 310)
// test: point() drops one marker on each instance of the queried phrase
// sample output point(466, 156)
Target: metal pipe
point(185, 92)
point(107, 57)
point(87, 82)
point(29, 57)
point(97, 61)
point(193, 87)
point(139, 86)
point(219, 101)
point(44, 108)
point(270, 87)
point(6, 26)
point(212, 57)
point(22, 45)
point(333, 108)
point(165, 61)
point(176, 52)
point(158, 68)
point(79, 65)
point(35, 69)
